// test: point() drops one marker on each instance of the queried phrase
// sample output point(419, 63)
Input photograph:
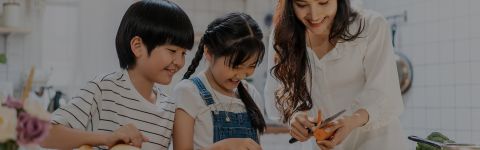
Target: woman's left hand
point(342, 128)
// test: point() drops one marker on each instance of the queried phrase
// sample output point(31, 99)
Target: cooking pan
point(445, 146)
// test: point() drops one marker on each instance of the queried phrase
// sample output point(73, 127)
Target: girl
point(326, 56)
point(218, 106)
point(125, 106)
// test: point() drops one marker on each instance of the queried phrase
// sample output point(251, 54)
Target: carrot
point(319, 133)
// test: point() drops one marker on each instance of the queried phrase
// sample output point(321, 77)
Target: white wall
point(21, 49)
point(74, 37)
point(442, 39)
point(98, 25)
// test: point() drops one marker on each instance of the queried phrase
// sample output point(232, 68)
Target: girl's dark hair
point(292, 66)
point(237, 37)
point(156, 22)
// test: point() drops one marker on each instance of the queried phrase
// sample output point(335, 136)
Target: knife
point(324, 124)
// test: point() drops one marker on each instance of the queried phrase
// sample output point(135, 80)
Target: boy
point(125, 106)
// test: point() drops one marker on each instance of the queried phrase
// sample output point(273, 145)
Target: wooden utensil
point(28, 85)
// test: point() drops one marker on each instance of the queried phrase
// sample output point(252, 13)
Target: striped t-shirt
point(110, 101)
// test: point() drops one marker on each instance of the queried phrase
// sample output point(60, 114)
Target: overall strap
point(206, 95)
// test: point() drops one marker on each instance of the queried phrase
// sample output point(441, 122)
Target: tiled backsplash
point(442, 39)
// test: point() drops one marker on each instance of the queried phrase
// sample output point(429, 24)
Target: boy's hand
point(236, 144)
point(127, 134)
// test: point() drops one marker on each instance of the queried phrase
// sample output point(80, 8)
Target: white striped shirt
point(110, 101)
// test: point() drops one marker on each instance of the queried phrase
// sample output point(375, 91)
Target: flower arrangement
point(22, 123)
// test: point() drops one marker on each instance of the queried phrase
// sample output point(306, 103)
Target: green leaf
point(9, 145)
point(3, 58)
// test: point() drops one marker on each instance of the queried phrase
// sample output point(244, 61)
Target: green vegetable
point(434, 136)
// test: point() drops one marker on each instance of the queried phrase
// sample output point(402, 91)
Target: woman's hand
point(299, 124)
point(235, 143)
point(127, 134)
point(342, 128)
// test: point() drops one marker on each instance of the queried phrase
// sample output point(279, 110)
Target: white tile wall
point(461, 27)
point(462, 50)
point(432, 53)
point(441, 38)
point(446, 51)
point(475, 22)
point(462, 72)
point(447, 96)
point(448, 120)
point(475, 96)
point(476, 122)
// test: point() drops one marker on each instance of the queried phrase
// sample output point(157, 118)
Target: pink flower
point(31, 130)
point(12, 103)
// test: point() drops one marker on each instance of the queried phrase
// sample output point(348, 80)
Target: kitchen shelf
point(12, 30)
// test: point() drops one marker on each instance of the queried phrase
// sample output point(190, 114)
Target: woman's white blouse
point(357, 74)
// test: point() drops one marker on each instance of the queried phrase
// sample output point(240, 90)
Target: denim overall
point(238, 126)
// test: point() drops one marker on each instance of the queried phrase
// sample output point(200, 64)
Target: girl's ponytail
point(258, 122)
point(196, 60)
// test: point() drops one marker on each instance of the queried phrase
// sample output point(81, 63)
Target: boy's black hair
point(237, 37)
point(156, 22)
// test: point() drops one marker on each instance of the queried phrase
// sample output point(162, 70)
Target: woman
point(325, 56)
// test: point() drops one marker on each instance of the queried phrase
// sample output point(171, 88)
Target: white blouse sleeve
point(271, 84)
point(381, 95)
point(188, 98)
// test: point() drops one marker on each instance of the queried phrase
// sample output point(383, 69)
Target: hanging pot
point(405, 71)
point(404, 67)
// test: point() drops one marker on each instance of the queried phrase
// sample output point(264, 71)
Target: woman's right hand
point(127, 134)
point(236, 143)
point(299, 125)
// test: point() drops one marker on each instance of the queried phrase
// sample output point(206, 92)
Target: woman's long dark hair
point(237, 37)
point(292, 66)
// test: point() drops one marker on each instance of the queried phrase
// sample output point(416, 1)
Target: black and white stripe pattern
point(110, 101)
